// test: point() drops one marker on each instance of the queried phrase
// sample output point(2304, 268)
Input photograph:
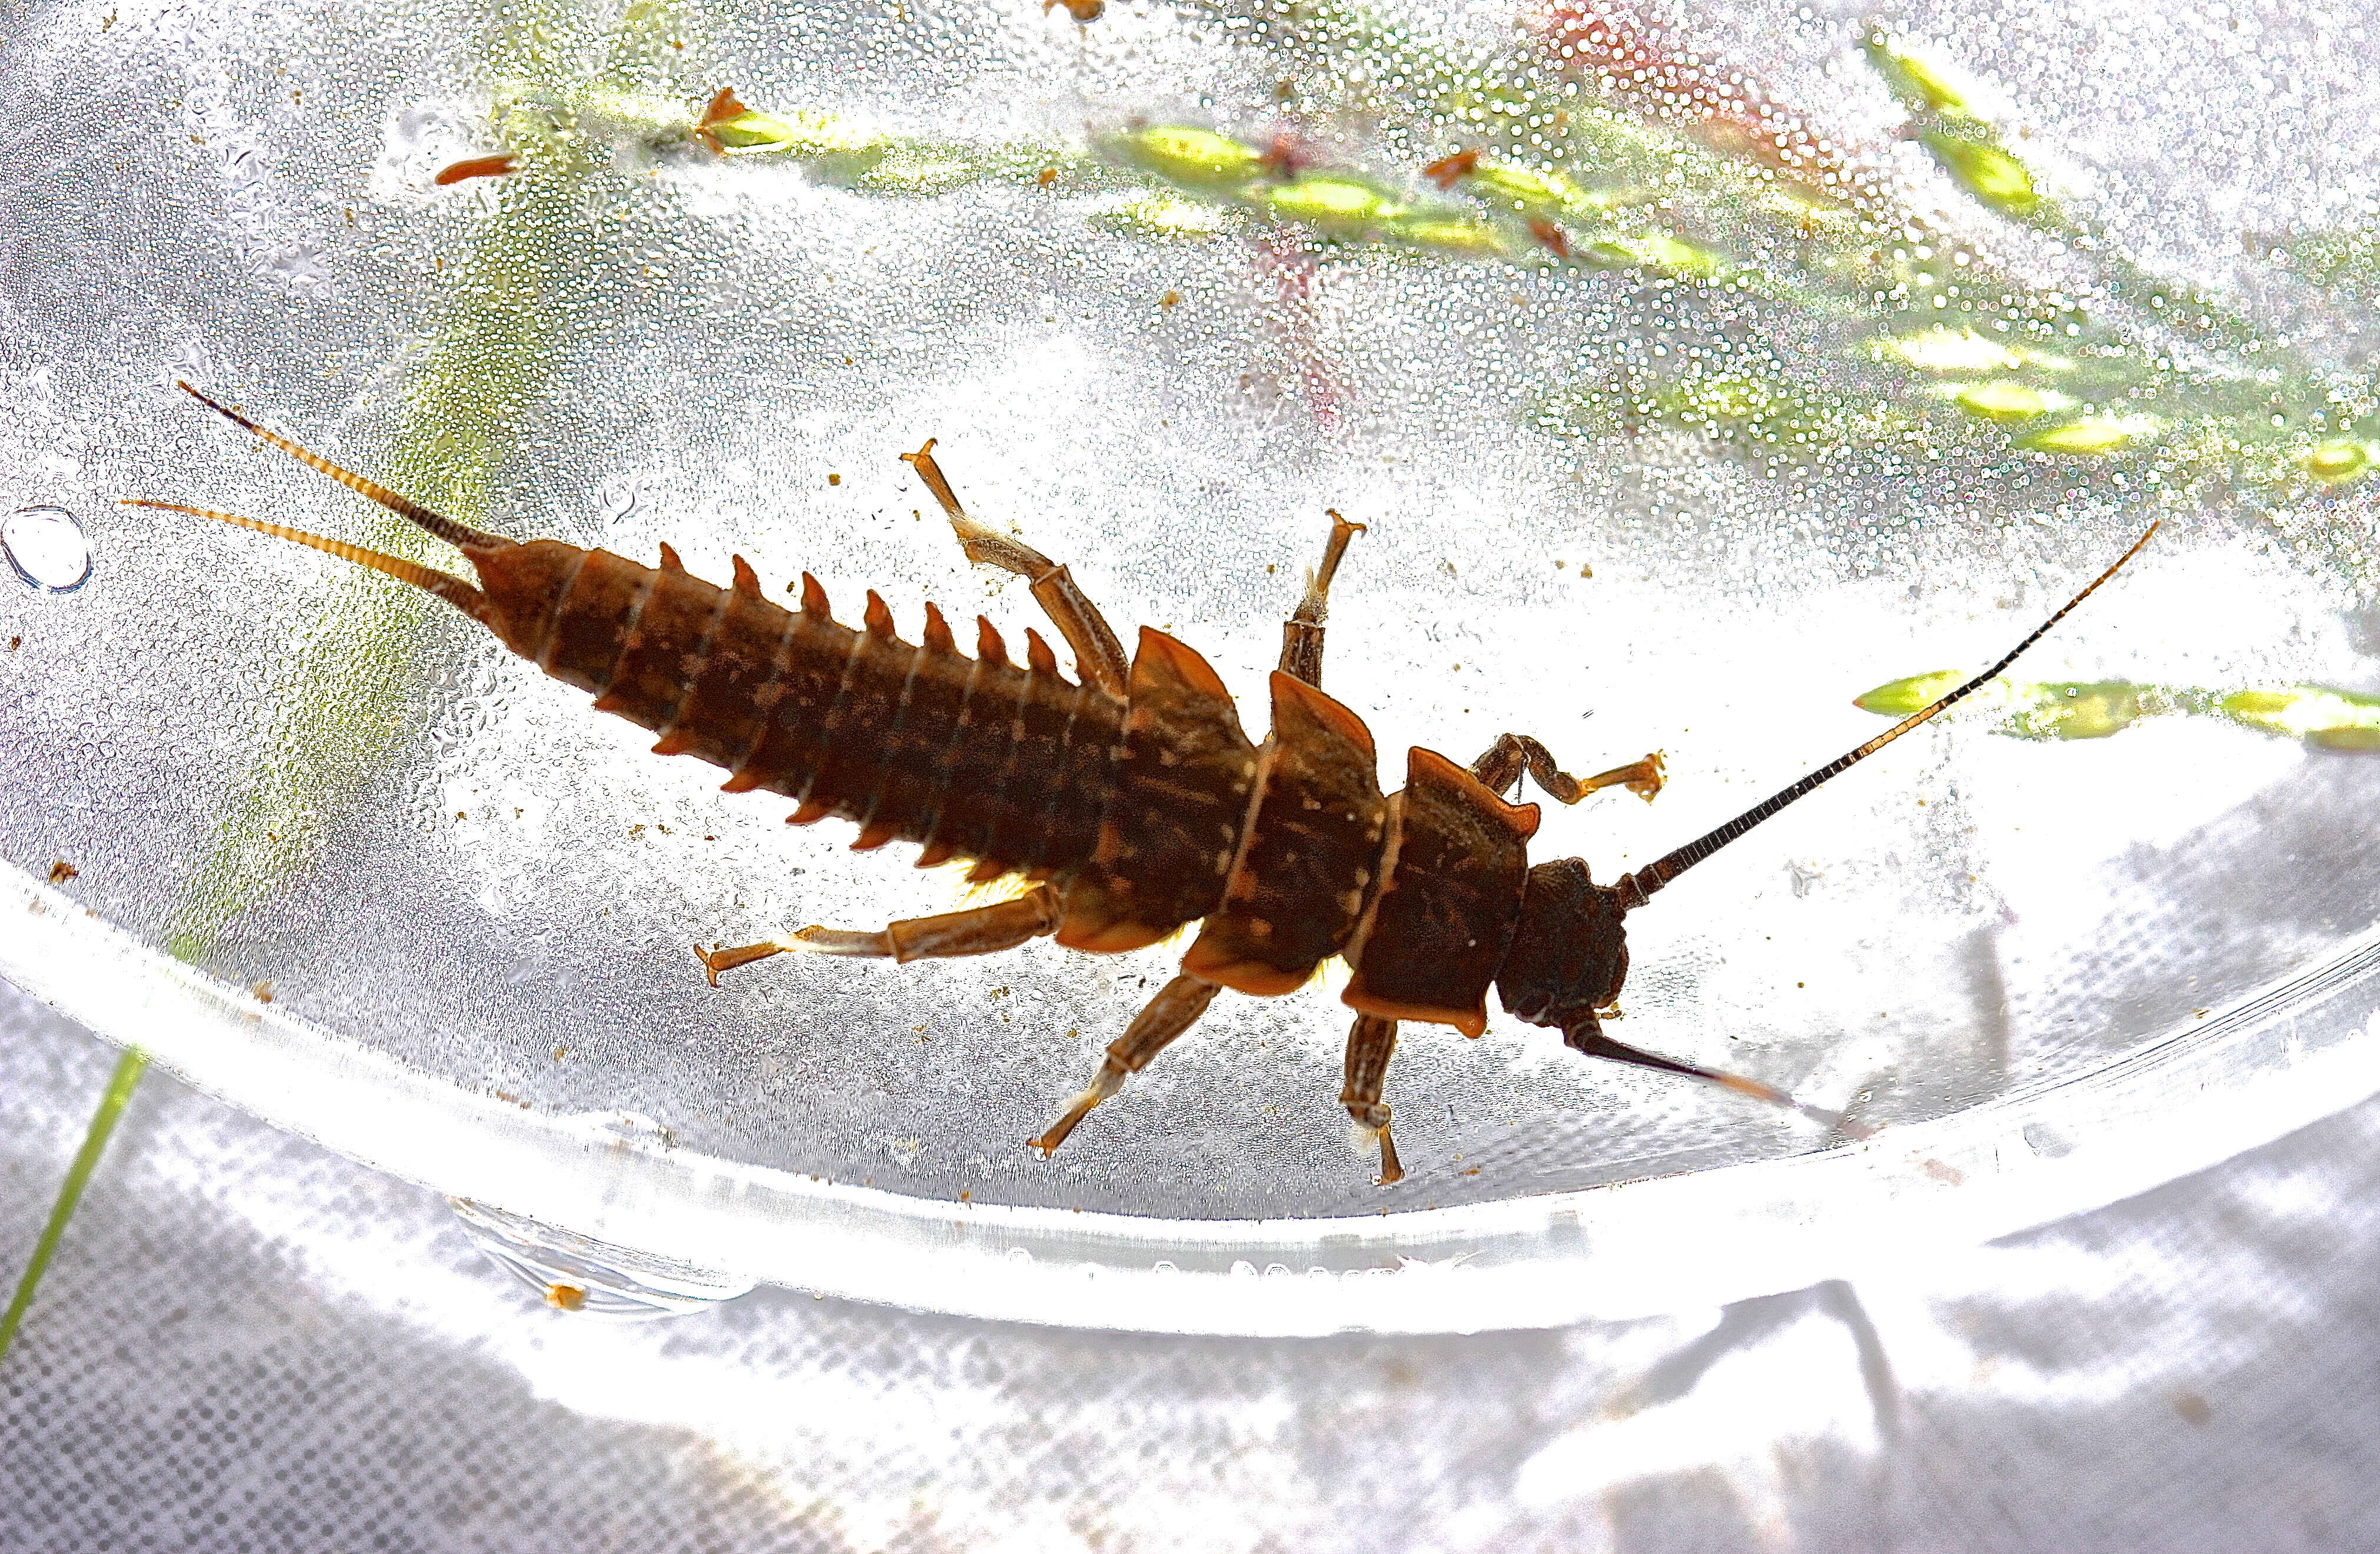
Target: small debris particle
point(473, 168)
point(834, 480)
point(633, 831)
point(460, 816)
point(61, 872)
point(2193, 1409)
point(967, 1197)
point(560, 1053)
point(1047, 176)
point(1170, 299)
point(15, 643)
point(564, 1297)
point(263, 992)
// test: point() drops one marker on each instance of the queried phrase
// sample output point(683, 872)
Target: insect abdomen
point(1172, 828)
point(978, 757)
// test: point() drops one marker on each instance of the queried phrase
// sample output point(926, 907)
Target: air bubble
point(47, 549)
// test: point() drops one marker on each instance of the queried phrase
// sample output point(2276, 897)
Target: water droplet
point(48, 547)
point(574, 1272)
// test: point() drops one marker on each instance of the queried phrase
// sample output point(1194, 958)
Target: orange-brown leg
point(1175, 1009)
point(1099, 657)
point(1370, 1043)
point(981, 930)
point(1503, 762)
point(1301, 635)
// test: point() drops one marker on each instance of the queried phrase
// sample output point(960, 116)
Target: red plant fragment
point(723, 105)
point(475, 168)
point(1449, 171)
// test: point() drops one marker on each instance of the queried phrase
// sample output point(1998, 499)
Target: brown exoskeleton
point(1130, 798)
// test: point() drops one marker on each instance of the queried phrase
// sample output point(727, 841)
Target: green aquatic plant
point(2322, 716)
point(113, 1099)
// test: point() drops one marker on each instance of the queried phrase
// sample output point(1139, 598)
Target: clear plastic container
point(323, 848)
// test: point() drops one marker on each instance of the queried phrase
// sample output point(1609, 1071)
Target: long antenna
point(1653, 876)
point(462, 536)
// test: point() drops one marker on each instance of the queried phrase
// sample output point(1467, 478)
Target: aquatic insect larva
point(1129, 798)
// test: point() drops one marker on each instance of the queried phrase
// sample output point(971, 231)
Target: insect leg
point(1370, 1043)
point(1175, 1009)
point(1503, 762)
point(1301, 635)
point(982, 930)
point(1099, 657)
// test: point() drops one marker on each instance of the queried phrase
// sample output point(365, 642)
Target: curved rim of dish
point(2243, 1076)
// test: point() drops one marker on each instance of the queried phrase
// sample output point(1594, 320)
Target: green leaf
point(2341, 458)
point(1899, 699)
point(1333, 202)
point(2002, 400)
point(1917, 82)
point(1987, 172)
point(2335, 720)
point(2091, 435)
point(2077, 709)
point(1196, 157)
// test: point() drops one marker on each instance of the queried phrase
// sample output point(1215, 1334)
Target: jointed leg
point(1175, 1009)
point(1370, 1044)
point(1301, 635)
point(1099, 657)
point(1502, 764)
point(979, 931)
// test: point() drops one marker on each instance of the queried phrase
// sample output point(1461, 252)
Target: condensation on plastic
point(441, 912)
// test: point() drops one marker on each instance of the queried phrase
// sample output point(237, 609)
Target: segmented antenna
point(1653, 876)
point(463, 537)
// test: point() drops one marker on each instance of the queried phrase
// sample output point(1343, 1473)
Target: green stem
point(120, 1086)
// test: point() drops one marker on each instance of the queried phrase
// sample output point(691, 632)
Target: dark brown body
point(1145, 813)
point(1134, 800)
